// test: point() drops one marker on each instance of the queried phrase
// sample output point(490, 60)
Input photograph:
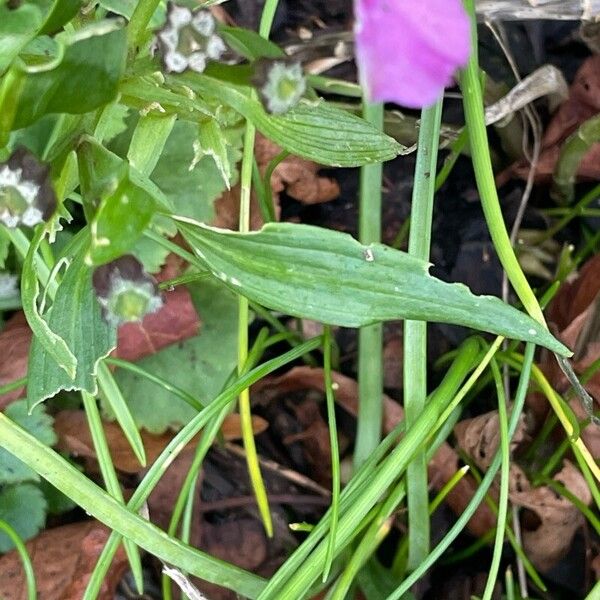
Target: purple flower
point(408, 50)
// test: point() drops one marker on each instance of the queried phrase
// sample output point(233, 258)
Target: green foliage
point(24, 508)
point(199, 365)
point(38, 424)
point(75, 318)
point(91, 59)
point(328, 276)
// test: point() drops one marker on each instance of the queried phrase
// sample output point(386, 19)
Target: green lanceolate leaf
point(75, 316)
point(91, 59)
point(249, 44)
point(328, 276)
point(314, 130)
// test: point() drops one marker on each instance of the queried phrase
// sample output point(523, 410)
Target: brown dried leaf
point(177, 320)
point(15, 340)
point(63, 560)
point(74, 437)
point(479, 437)
point(444, 463)
point(547, 538)
point(297, 176)
point(583, 103)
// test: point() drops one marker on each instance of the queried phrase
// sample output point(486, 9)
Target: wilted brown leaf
point(479, 437)
point(15, 340)
point(297, 176)
point(74, 437)
point(548, 536)
point(63, 560)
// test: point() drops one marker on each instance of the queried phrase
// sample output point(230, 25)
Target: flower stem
point(484, 175)
point(415, 332)
point(370, 338)
point(139, 22)
point(256, 479)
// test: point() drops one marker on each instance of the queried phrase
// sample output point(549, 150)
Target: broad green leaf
point(92, 60)
point(112, 122)
point(199, 365)
point(17, 27)
point(249, 44)
point(119, 202)
point(328, 276)
point(39, 424)
point(23, 507)
point(316, 130)
point(75, 316)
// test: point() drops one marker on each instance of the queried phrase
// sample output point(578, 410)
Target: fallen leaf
point(583, 103)
point(175, 321)
point(297, 176)
point(71, 426)
point(547, 538)
point(15, 340)
point(479, 437)
point(63, 559)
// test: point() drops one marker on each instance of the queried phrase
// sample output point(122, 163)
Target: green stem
point(415, 332)
point(110, 478)
point(483, 488)
point(484, 175)
point(335, 451)
point(370, 338)
point(139, 21)
point(571, 155)
point(256, 479)
point(504, 483)
point(24, 556)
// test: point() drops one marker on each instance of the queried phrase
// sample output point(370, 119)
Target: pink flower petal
point(408, 50)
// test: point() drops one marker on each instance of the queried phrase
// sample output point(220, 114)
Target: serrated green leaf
point(75, 315)
point(192, 192)
point(53, 344)
point(39, 424)
point(328, 276)
point(93, 60)
point(23, 507)
point(316, 131)
point(199, 365)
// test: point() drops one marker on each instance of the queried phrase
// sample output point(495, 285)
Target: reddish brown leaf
point(15, 340)
point(547, 538)
point(583, 103)
point(177, 320)
point(74, 437)
point(63, 560)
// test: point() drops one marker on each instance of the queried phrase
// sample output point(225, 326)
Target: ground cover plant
point(227, 366)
